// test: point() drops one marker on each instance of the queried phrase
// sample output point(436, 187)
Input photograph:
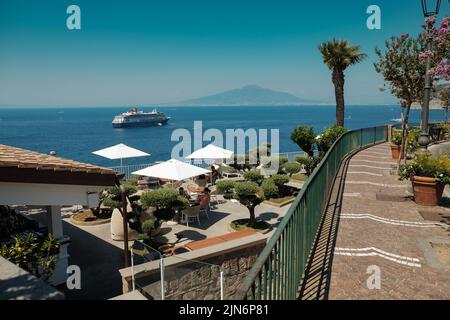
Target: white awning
point(211, 152)
point(120, 151)
point(172, 170)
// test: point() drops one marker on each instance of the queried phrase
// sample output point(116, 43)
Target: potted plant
point(429, 175)
point(396, 142)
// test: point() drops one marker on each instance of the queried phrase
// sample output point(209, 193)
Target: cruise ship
point(134, 118)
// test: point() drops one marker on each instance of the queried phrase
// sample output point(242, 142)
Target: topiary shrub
point(226, 187)
point(267, 162)
point(292, 167)
point(308, 163)
point(254, 176)
point(166, 201)
point(269, 188)
point(280, 179)
point(304, 137)
point(328, 137)
point(250, 195)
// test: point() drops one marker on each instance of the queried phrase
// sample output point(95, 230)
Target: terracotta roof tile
point(22, 158)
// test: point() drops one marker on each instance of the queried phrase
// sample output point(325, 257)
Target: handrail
point(277, 273)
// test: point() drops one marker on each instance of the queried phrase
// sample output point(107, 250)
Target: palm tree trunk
point(338, 81)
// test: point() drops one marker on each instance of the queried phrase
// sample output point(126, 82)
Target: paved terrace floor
point(379, 225)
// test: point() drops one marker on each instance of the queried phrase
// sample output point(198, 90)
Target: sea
point(74, 133)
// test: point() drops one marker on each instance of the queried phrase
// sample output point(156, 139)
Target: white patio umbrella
point(172, 170)
point(120, 151)
point(211, 152)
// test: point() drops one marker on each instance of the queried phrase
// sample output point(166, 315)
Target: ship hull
point(139, 124)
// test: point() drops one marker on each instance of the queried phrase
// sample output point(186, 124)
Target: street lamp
point(430, 8)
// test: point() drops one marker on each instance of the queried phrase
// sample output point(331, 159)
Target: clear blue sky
point(150, 51)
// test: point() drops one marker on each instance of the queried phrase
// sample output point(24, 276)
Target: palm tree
point(338, 55)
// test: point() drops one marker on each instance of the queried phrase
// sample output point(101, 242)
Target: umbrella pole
point(125, 227)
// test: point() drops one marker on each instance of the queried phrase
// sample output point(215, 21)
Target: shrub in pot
point(429, 175)
point(396, 142)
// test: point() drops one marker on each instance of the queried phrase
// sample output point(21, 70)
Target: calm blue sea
point(75, 132)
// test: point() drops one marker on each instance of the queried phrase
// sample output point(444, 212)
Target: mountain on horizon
point(250, 95)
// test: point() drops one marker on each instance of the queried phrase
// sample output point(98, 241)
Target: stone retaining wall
point(185, 279)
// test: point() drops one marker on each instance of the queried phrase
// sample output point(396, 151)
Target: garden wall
point(185, 278)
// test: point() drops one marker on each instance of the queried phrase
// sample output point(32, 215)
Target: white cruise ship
point(134, 118)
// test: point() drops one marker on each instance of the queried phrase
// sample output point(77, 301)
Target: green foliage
point(279, 179)
point(266, 162)
point(225, 186)
point(243, 188)
point(444, 96)
point(396, 138)
point(160, 198)
point(34, 254)
point(240, 162)
point(248, 193)
point(339, 54)
point(309, 163)
point(328, 137)
point(401, 67)
point(166, 201)
point(12, 222)
point(413, 138)
point(113, 196)
point(426, 165)
point(149, 225)
point(292, 167)
point(254, 176)
point(269, 188)
point(304, 137)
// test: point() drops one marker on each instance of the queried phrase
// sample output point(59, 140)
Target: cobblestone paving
point(389, 233)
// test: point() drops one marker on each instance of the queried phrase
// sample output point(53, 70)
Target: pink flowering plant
point(440, 53)
point(403, 71)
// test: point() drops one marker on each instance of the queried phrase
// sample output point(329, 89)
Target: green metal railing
point(277, 273)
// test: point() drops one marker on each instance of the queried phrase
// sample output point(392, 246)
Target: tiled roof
point(22, 158)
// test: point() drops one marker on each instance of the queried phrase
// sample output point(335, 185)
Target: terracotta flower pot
point(427, 191)
point(395, 150)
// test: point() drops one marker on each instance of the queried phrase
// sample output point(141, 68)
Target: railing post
point(221, 286)
point(361, 138)
point(133, 285)
point(161, 266)
point(375, 135)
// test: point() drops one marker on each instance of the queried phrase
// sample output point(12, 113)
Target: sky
point(145, 52)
